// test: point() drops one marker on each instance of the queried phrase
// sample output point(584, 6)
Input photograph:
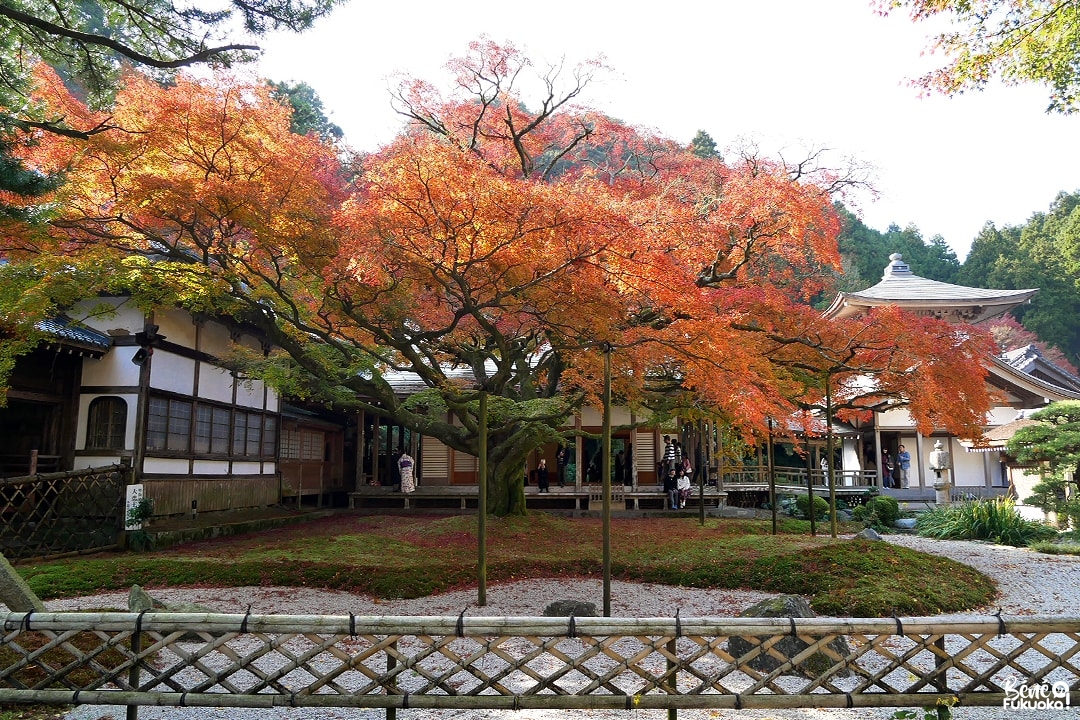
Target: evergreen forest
point(1042, 253)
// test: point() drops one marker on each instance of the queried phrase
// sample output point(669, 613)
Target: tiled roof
point(69, 332)
point(995, 439)
point(899, 283)
point(1029, 360)
point(899, 286)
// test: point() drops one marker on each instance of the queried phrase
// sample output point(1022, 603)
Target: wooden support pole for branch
point(481, 510)
point(605, 469)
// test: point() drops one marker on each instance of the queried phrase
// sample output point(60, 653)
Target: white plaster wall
point(176, 326)
point(214, 339)
point(273, 400)
point(1001, 415)
point(90, 461)
point(269, 468)
point(247, 468)
point(123, 315)
point(172, 373)
point(114, 368)
point(250, 342)
point(899, 419)
point(249, 393)
point(849, 458)
point(173, 466)
point(215, 383)
point(1025, 480)
point(132, 401)
point(591, 417)
point(211, 467)
point(967, 467)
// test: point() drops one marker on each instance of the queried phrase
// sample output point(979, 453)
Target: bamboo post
point(133, 673)
point(670, 682)
point(772, 478)
point(810, 486)
point(606, 471)
point(391, 663)
point(702, 472)
point(481, 509)
point(940, 681)
point(719, 458)
point(830, 447)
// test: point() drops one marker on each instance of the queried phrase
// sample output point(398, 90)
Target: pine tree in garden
point(1055, 444)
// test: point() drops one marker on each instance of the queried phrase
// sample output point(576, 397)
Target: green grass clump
point(1051, 548)
point(993, 519)
point(396, 556)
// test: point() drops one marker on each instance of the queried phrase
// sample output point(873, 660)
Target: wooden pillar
point(877, 460)
point(949, 446)
point(359, 479)
point(918, 461)
point(578, 454)
point(376, 446)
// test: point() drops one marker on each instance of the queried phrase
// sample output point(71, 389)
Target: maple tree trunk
point(506, 484)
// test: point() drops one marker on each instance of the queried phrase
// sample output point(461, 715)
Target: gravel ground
point(1030, 584)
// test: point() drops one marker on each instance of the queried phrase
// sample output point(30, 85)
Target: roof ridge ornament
point(897, 267)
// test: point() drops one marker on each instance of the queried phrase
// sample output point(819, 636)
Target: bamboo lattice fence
point(55, 513)
point(219, 660)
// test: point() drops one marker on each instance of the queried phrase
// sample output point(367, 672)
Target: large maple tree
point(496, 246)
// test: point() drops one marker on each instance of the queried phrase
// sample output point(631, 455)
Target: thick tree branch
point(55, 30)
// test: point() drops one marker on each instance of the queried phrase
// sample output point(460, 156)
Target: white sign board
point(134, 497)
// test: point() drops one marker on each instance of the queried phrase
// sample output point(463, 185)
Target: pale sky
point(787, 74)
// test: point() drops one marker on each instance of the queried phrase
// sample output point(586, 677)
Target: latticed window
point(269, 438)
point(239, 439)
point(212, 430)
point(290, 444)
point(106, 424)
point(312, 444)
point(203, 428)
point(168, 425)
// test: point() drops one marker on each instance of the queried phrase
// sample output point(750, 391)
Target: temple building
point(1023, 381)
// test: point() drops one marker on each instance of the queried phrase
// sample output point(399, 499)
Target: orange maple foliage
point(497, 247)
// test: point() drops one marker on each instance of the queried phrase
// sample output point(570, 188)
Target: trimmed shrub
point(885, 509)
point(879, 512)
point(821, 506)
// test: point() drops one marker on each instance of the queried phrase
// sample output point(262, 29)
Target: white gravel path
point(1030, 584)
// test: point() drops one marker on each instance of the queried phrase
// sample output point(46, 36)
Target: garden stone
point(787, 606)
point(139, 601)
point(868, 534)
point(570, 608)
point(15, 592)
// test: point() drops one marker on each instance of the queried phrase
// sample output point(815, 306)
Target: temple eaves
point(920, 296)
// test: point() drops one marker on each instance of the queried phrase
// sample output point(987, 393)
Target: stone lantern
point(940, 463)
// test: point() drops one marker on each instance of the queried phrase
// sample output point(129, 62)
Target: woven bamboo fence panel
point(56, 513)
point(218, 660)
